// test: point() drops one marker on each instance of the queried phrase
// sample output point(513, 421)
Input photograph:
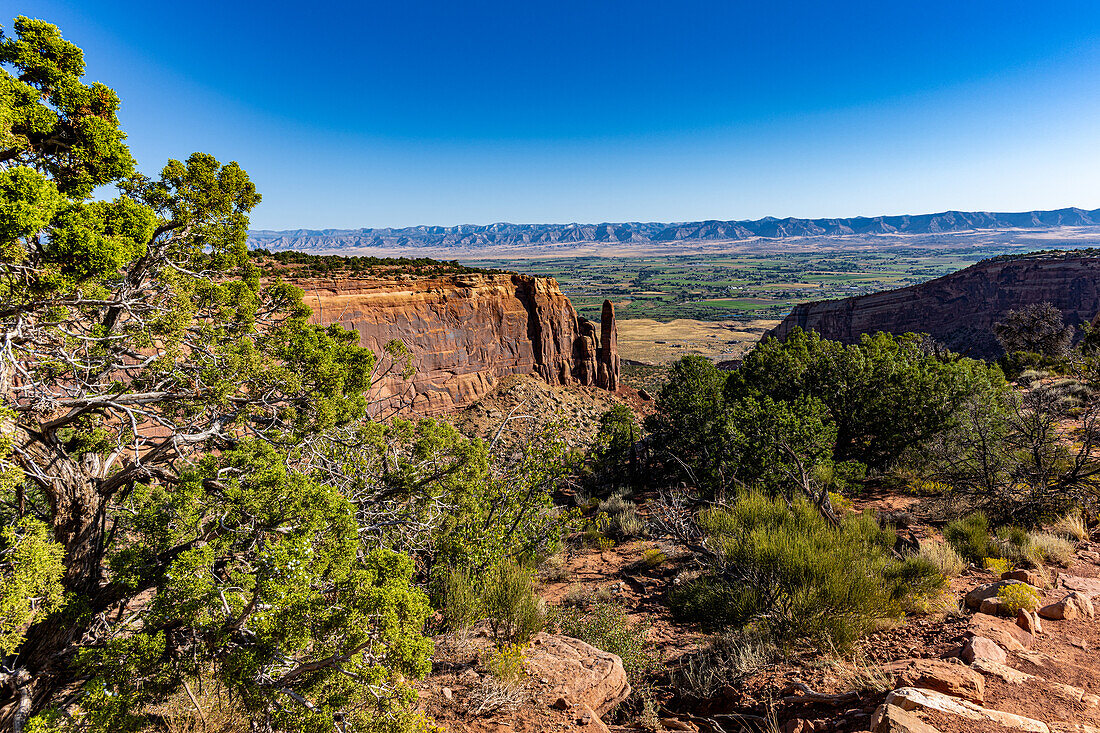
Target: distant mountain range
point(470, 236)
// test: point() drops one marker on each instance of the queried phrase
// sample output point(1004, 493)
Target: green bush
point(461, 601)
point(970, 537)
point(789, 570)
point(509, 601)
point(606, 626)
point(1015, 545)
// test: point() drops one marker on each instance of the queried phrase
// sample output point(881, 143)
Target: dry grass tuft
point(1073, 526)
point(944, 557)
point(1053, 548)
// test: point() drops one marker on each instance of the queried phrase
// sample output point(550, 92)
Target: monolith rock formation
point(959, 310)
point(465, 331)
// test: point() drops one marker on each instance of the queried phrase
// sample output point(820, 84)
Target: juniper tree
point(153, 387)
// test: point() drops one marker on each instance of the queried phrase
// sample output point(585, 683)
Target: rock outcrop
point(463, 332)
point(960, 309)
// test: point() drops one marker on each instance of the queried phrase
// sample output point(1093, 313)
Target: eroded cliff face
point(466, 331)
point(960, 309)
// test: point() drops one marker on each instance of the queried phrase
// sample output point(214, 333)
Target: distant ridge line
point(502, 233)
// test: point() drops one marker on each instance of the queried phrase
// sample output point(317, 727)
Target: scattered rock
point(993, 606)
point(562, 703)
point(1067, 692)
point(1029, 622)
point(1059, 611)
point(798, 725)
point(447, 693)
point(1082, 602)
point(645, 396)
point(975, 597)
point(676, 724)
point(1030, 577)
point(892, 719)
point(579, 671)
point(935, 674)
point(1089, 586)
point(469, 677)
point(1002, 671)
point(1001, 631)
point(979, 648)
point(911, 698)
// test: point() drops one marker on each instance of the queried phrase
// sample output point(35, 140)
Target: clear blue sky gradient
point(413, 112)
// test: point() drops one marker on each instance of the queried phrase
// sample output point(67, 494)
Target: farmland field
point(718, 304)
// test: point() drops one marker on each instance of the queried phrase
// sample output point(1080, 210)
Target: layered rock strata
point(960, 309)
point(463, 332)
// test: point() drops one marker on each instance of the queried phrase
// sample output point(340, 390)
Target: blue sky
point(417, 112)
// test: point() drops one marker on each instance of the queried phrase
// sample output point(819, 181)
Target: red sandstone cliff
point(466, 331)
point(960, 309)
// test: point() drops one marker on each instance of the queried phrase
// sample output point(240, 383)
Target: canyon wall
point(960, 309)
point(464, 332)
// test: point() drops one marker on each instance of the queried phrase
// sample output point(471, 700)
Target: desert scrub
point(724, 660)
point(997, 565)
point(505, 662)
point(653, 558)
point(623, 520)
point(1053, 549)
point(970, 537)
point(461, 601)
point(787, 569)
point(606, 626)
point(509, 601)
point(1018, 596)
point(1072, 526)
point(1017, 547)
point(553, 569)
point(943, 556)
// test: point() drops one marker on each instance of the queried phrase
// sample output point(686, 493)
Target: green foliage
point(653, 558)
point(606, 626)
point(612, 449)
point(688, 422)
point(970, 537)
point(789, 570)
point(30, 579)
point(173, 430)
point(509, 601)
point(883, 395)
point(461, 600)
point(1018, 596)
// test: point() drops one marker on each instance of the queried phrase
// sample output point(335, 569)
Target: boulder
point(979, 648)
point(993, 606)
point(911, 698)
point(578, 671)
point(1059, 611)
point(1003, 632)
point(975, 597)
point(1031, 577)
point(1002, 671)
point(936, 674)
point(1029, 622)
point(892, 719)
point(1082, 603)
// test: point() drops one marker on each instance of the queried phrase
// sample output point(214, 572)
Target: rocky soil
point(962, 670)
